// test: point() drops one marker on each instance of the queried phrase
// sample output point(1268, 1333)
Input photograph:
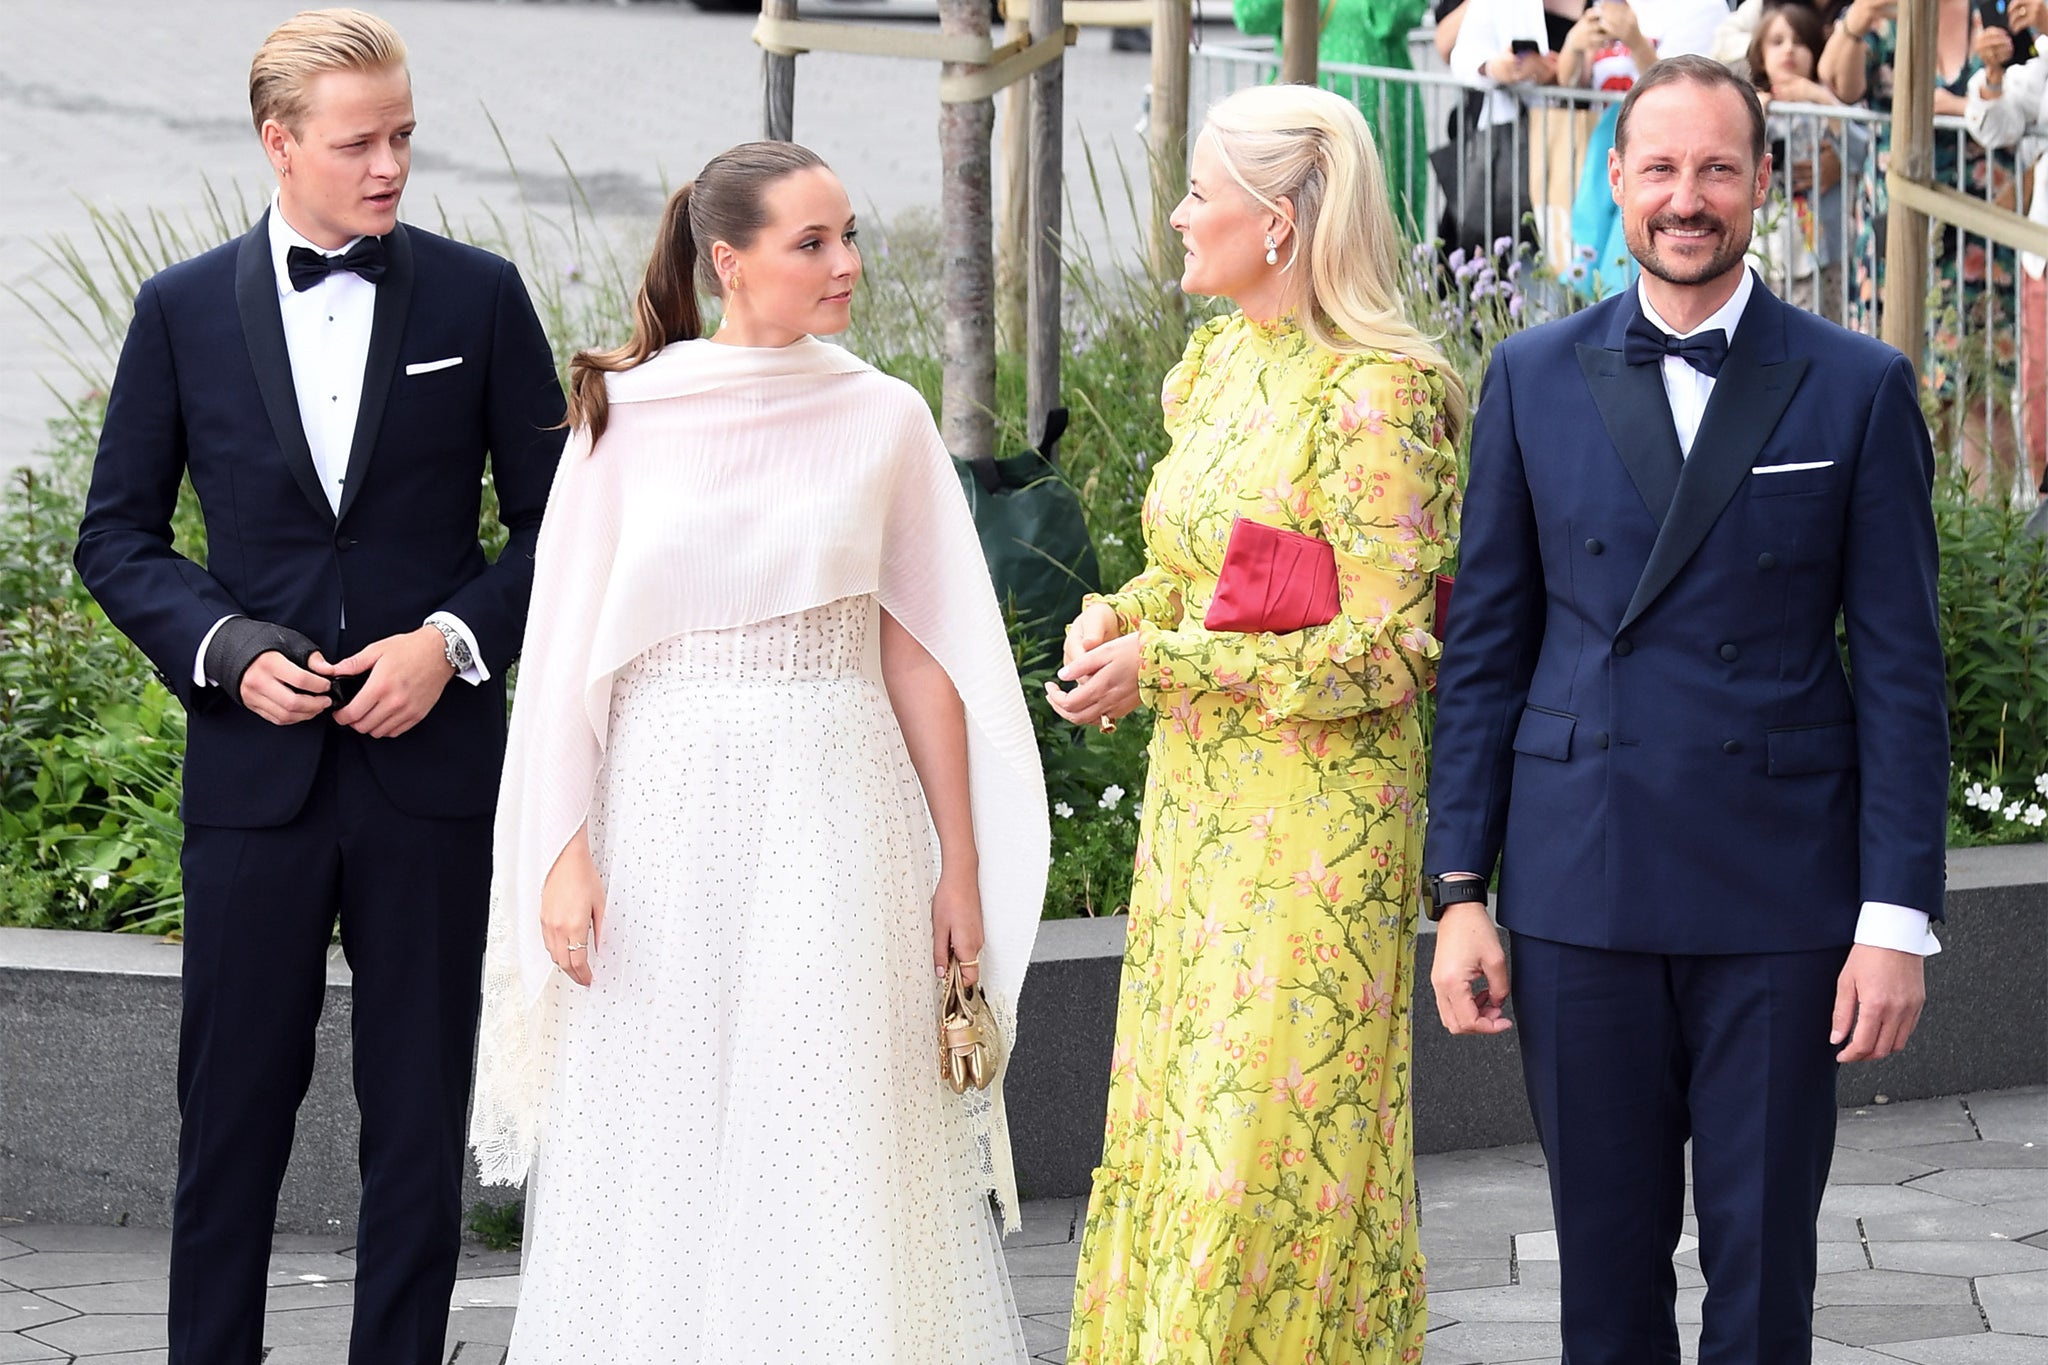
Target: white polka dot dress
point(748, 1155)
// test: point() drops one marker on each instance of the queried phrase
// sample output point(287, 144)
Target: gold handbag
point(970, 1049)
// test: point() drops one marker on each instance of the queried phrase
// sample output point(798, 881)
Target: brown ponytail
point(725, 203)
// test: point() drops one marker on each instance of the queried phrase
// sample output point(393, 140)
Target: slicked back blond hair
point(1343, 279)
point(310, 44)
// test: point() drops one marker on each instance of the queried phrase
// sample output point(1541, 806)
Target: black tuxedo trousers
point(411, 896)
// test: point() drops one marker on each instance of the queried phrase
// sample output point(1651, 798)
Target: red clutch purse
point(1273, 581)
point(1279, 581)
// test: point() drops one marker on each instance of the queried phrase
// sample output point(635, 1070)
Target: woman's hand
point(1993, 47)
point(956, 924)
point(1105, 682)
point(1801, 90)
point(572, 909)
point(1096, 625)
point(1863, 16)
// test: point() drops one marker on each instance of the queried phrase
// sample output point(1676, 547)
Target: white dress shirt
point(1881, 924)
point(327, 338)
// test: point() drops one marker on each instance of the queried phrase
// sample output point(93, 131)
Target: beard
point(1642, 244)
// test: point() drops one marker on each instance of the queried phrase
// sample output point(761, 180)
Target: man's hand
point(1468, 953)
point(1879, 995)
point(407, 673)
point(281, 692)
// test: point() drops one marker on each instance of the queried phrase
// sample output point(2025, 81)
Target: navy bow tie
point(1645, 341)
point(365, 258)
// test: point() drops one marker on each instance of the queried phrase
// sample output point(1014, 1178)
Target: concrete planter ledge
point(88, 1049)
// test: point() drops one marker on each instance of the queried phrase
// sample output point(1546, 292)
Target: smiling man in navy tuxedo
point(333, 384)
point(1718, 859)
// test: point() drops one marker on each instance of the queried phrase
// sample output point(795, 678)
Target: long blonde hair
point(1311, 147)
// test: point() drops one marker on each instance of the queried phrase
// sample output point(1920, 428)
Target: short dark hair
point(1695, 70)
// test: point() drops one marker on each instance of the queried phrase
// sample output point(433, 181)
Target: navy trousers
point(1628, 1056)
point(411, 896)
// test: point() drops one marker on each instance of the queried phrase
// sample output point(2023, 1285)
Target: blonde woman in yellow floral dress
point(1256, 1198)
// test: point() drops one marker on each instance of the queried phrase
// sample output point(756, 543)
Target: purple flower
point(1503, 245)
point(1456, 261)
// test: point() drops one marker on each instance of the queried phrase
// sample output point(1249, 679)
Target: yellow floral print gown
point(1256, 1200)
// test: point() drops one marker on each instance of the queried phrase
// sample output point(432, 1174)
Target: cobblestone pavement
point(137, 105)
point(1934, 1250)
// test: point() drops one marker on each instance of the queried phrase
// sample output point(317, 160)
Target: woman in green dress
point(1370, 33)
point(1256, 1198)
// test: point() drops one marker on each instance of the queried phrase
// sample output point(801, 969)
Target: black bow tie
point(308, 268)
point(1645, 341)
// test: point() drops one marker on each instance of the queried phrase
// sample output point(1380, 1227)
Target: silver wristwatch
point(459, 657)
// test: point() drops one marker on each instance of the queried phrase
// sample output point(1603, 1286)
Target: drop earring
point(1272, 250)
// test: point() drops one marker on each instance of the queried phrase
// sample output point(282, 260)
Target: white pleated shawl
point(734, 485)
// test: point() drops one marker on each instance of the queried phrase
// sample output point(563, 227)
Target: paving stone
point(1040, 1337)
point(1860, 1287)
point(1963, 1156)
point(1962, 1223)
point(21, 1310)
point(1854, 1166)
point(2013, 1115)
point(1877, 1324)
point(124, 1296)
point(51, 1270)
point(18, 1350)
point(325, 1294)
point(111, 1241)
point(2015, 1303)
point(1043, 1293)
point(1958, 1258)
point(491, 1353)
point(309, 1269)
point(309, 1244)
point(1454, 1272)
point(314, 1353)
point(496, 1291)
point(10, 1247)
point(492, 1326)
point(1058, 1258)
point(102, 1333)
point(478, 1263)
point(1881, 1127)
point(129, 1358)
point(1986, 1187)
point(1046, 1222)
point(1869, 1201)
point(1494, 1341)
point(1506, 1303)
point(1827, 1352)
point(1993, 1348)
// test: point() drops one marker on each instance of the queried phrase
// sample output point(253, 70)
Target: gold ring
point(1105, 724)
point(975, 963)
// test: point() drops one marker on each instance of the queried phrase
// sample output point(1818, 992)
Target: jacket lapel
point(387, 328)
point(1751, 394)
point(263, 332)
point(1637, 414)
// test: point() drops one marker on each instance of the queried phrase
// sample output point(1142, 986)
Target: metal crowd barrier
point(1972, 350)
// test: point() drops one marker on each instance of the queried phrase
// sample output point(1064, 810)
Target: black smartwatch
point(1458, 889)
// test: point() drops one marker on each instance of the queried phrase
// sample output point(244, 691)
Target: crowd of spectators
point(1512, 164)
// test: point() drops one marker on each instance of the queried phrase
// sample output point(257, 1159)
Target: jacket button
point(1599, 739)
point(1733, 746)
point(1594, 547)
point(1730, 653)
point(1767, 560)
point(1622, 649)
point(344, 542)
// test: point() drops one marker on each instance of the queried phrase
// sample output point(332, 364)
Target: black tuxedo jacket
point(204, 387)
point(1642, 709)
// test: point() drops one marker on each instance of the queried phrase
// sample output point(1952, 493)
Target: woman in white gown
point(769, 770)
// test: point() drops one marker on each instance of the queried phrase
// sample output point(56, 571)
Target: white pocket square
point(429, 366)
point(1789, 468)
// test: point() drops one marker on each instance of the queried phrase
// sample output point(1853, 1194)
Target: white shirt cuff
point(199, 659)
point(1898, 927)
point(476, 673)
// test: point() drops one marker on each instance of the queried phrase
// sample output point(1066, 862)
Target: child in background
point(1802, 232)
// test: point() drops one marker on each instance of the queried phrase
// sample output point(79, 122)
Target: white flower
point(1112, 539)
point(2033, 815)
point(1111, 795)
point(102, 882)
point(1063, 810)
point(2041, 784)
point(2012, 812)
point(1973, 796)
point(1994, 798)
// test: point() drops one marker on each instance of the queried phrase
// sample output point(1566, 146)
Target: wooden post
point(1905, 271)
point(1048, 119)
point(968, 347)
point(1301, 32)
point(1168, 132)
point(778, 82)
point(1013, 225)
